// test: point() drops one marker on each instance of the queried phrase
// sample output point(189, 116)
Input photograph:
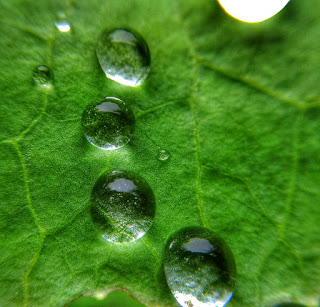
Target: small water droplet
point(42, 75)
point(124, 56)
point(122, 206)
point(163, 155)
point(208, 277)
point(108, 124)
point(62, 23)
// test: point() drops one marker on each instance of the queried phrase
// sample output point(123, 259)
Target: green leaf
point(236, 105)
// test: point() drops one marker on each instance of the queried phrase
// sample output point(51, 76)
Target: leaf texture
point(236, 105)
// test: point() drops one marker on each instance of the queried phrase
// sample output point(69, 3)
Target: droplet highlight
point(42, 75)
point(252, 10)
point(108, 124)
point(162, 155)
point(124, 56)
point(200, 268)
point(122, 206)
point(62, 23)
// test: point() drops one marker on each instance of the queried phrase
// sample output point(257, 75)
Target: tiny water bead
point(200, 268)
point(42, 75)
point(122, 206)
point(252, 10)
point(61, 23)
point(124, 56)
point(108, 124)
point(162, 155)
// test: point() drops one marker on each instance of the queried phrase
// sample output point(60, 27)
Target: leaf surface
point(236, 105)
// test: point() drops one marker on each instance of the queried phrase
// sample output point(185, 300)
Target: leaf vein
point(27, 187)
point(251, 84)
point(25, 282)
point(25, 30)
point(293, 177)
point(196, 137)
point(262, 211)
point(157, 107)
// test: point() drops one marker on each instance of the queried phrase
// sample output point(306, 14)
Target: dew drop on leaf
point(122, 206)
point(162, 155)
point(62, 23)
point(42, 75)
point(124, 56)
point(108, 124)
point(200, 268)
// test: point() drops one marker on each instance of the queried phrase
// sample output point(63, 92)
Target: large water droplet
point(108, 124)
point(252, 10)
point(124, 56)
point(199, 268)
point(163, 155)
point(62, 23)
point(122, 206)
point(42, 75)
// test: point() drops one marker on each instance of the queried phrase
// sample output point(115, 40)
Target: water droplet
point(108, 124)
point(42, 75)
point(199, 268)
point(163, 155)
point(252, 10)
point(124, 56)
point(62, 23)
point(122, 206)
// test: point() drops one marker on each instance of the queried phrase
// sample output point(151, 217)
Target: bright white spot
point(123, 36)
point(122, 80)
point(190, 300)
point(63, 26)
point(122, 185)
point(47, 85)
point(100, 295)
point(109, 146)
point(107, 106)
point(252, 10)
point(197, 245)
point(140, 234)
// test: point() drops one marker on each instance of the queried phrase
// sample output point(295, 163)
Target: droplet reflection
point(124, 56)
point(42, 76)
point(108, 124)
point(62, 23)
point(199, 268)
point(122, 206)
point(162, 155)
